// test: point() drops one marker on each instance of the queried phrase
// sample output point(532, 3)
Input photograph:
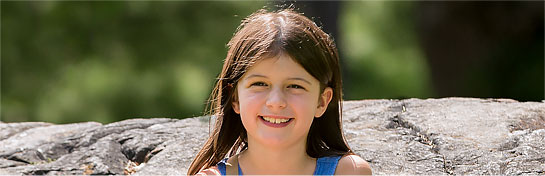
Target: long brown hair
point(266, 34)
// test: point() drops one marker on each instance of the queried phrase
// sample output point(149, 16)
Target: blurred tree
point(484, 49)
point(382, 52)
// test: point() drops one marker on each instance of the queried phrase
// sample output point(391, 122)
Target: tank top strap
point(223, 169)
point(221, 166)
point(326, 165)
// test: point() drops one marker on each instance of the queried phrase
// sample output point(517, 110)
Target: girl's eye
point(258, 84)
point(296, 86)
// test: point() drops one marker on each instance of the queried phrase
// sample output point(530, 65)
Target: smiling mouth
point(275, 120)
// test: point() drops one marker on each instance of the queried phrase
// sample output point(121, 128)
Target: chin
point(276, 141)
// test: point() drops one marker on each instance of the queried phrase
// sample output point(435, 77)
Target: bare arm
point(353, 165)
point(210, 171)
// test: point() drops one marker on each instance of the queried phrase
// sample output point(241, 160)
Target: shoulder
point(210, 171)
point(353, 165)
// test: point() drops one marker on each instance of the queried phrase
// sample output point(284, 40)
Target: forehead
point(281, 66)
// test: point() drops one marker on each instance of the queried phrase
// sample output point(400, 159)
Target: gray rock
point(175, 155)
point(24, 146)
point(413, 136)
point(9, 129)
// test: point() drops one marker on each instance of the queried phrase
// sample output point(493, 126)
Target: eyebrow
point(261, 76)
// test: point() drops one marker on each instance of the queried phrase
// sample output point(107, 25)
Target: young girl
point(277, 103)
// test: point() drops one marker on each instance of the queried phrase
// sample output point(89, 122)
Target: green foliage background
point(76, 61)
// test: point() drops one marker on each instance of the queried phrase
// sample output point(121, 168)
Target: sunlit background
point(105, 61)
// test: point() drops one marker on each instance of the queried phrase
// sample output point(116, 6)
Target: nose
point(276, 100)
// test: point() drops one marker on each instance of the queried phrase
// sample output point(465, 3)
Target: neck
point(286, 160)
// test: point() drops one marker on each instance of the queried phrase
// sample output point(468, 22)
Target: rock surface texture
point(413, 136)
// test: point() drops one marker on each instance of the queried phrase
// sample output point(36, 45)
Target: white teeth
point(275, 120)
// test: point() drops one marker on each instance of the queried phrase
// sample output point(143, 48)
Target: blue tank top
point(324, 165)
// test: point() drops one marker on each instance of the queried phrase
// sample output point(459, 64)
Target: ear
point(236, 107)
point(235, 103)
point(323, 101)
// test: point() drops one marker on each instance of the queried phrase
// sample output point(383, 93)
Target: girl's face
point(277, 101)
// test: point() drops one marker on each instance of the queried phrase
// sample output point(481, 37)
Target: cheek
point(304, 106)
point(249, 103)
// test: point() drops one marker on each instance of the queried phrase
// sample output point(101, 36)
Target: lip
point(275, 125)
point(276, 117)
